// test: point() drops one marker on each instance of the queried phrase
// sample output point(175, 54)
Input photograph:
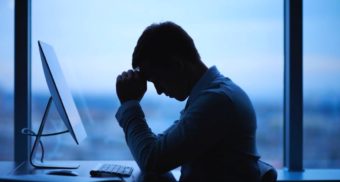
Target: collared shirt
point(214, 138)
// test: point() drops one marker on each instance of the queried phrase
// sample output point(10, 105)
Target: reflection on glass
point(6, 79)
point(94, 44)
point(321, 83)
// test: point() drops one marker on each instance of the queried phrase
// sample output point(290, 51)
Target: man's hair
point(159, 43)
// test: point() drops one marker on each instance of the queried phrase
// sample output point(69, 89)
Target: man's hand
point(130, 86)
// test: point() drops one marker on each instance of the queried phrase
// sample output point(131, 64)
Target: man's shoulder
point(220, 89)
point(212, 98)
point(221, 92)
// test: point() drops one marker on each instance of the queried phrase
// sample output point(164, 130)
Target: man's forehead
point(144, 67)
point(147, 70)
point(143, 70)
point(137, 69)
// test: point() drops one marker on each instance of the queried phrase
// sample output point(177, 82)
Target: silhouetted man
point(214, 138)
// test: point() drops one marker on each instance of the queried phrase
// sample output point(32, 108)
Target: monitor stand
point(48, 165)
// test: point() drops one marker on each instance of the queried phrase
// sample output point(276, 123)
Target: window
point(6, 79)
point(94, 44)
point(321, 84)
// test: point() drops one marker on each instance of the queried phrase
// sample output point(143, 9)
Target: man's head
point(167, 56)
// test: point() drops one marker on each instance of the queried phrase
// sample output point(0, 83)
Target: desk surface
point(11, 171)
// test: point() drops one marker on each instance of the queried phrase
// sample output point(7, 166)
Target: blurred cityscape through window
point(6, 80)
point(321, 73)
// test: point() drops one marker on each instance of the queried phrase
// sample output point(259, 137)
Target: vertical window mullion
point(293, 98)
point(22, 82)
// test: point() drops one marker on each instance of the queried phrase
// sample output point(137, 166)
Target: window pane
point(94, 44)
point(6, 79)
point(321, 83)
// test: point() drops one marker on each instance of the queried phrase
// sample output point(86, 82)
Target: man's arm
point(200, 128)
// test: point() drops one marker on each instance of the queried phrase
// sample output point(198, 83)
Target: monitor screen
point(60, 92)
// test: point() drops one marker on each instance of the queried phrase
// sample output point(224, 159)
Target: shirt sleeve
point(200, 128)
point(127, 110)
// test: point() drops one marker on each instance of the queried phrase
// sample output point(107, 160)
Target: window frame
point(293, 82)
point(22, 78)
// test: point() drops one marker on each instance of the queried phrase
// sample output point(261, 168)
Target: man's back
point(225, 130)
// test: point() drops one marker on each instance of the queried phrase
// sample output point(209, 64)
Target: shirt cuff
point(128, 104)
point(127, 111)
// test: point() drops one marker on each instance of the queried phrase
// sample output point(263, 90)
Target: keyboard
point(107, 170)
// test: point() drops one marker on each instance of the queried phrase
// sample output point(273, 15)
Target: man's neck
point(196, 74)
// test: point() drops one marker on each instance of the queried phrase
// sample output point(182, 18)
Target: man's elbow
point(152, 164)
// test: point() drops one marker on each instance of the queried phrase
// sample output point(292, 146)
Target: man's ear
point(179, 64)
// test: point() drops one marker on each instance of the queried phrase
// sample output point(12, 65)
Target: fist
point(130, 86)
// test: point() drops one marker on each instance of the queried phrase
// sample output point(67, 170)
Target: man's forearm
point(139, 136)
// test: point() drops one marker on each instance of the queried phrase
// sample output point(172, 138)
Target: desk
point(11, 171)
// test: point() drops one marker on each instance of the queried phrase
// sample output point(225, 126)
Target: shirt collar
point(204, 82)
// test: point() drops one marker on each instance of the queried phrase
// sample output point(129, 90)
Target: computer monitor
point(60, 92)
point(62, 98)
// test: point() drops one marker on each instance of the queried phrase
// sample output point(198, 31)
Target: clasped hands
point(130, 85)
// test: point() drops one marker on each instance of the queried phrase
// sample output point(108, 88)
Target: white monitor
point(60, 93)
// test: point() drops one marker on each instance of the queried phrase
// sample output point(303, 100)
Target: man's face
point(169, 81)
